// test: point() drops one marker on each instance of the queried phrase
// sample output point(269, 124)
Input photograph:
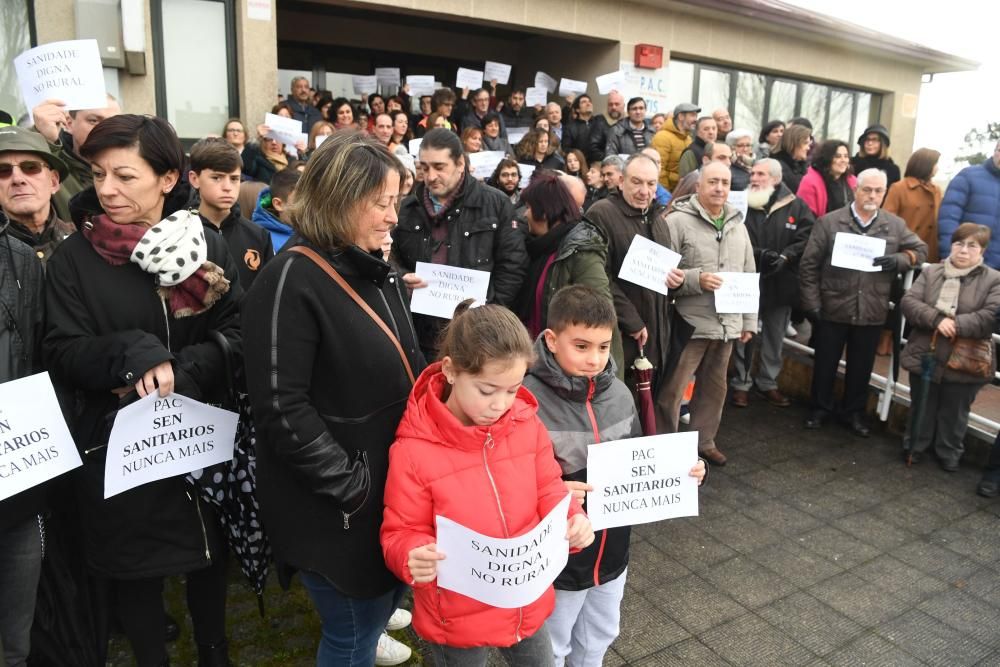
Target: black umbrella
point(232, 488)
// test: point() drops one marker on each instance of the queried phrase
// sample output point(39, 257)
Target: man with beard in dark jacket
point(21, 284)
point(779, 224)
point(642, 313)
point(514, 113)
point(601, 127)
point(451, 218)
point(577, 131)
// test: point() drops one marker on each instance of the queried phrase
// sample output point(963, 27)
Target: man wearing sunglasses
point(66, 131)
point(29, 178)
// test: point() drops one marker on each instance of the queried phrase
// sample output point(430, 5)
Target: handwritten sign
point(420, 84)
point(856, 251)
point(414, 146)
point(641, 480)
point(526, 171)
point(496, 72)
point(70, 71)
point(155, 438)
point(468, 78)
point(35, 444)
point(569, 87)
point(543, 80)
point(387, 77)
point(647, 264)
point(364, 85)
point(483, 163)
point(504, 573)
point(536, 96)
point(285, 130)
point(738, 200)
point(447, 286)
point(611, 81)
point(739, 293)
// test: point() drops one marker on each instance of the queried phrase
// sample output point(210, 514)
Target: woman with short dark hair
point(954, 300)
point(341, 113)
point(132, 300)
point(769, 140)
point(792, 154)
point(828, 184)
point(329, 367)
point(533, 149)
point(917, 200)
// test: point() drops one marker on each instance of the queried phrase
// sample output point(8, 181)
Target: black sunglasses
point(27, 167)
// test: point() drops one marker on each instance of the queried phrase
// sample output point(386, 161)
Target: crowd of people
point(132, 267)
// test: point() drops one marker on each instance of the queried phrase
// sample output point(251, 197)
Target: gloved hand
point(812, 315)
point(767, 258)
point(778, 264)
point(888, 263)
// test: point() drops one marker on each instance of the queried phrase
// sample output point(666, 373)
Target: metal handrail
point(894, 391)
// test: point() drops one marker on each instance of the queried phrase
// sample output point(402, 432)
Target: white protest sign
point(611, 81)
point(292, 149)
point(536, 96)
point(856, 251)
point(387, 76)
point(155, 438)
point(739, 293)
point(647, 264)
point(515, 134)
point(571, 87)
point(642, 480)
point(285, 130)
point(483, 163)
point(447, 286)
point(739, 201)
point(526, 171)
point(320, 138)
point(543, 80)
point(364, 85)
point(70, 71)
point(35, 444)
point(259, 10)
point(496, 71)
point(420, 84)
point(504, 573)
point(468, 78)
point(414, 146)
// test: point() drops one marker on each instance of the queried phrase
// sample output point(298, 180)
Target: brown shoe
point(713, 456)
point(776, 398)
point(740, 398)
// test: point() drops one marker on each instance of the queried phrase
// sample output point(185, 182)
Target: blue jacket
point(973, 196)
point(279, 231)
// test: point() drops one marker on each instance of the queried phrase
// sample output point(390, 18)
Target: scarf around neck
point(947, 301)
point(174, 251)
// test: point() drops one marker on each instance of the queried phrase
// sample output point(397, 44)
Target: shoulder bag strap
point(337, 278)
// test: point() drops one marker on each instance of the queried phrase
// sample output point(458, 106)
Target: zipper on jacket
point(348, 515)
point(488, 444)
point(597, 438)
point(201, 522)
point(166, 319)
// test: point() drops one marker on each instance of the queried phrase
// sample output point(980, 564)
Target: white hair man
point(848, 307)
point(778, 223)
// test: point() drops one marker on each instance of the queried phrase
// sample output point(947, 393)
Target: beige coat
point(691, 232)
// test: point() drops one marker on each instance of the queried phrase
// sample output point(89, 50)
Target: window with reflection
point(15, 37)
point(813, 107)
point(841, 116)
point(862, 114)
point(680, 82)
point(713, 90)
point(751, 90)
point(782, 105)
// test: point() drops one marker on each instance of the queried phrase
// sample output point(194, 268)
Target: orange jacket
point(917, 203)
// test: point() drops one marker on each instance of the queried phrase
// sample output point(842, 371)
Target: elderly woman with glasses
point(954, 300)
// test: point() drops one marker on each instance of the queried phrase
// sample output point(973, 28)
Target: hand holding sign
point(423, 563)
point(649, 264)
point(856, 252)
point(448, 286)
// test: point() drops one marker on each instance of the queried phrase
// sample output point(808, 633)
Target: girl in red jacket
point(466, 449)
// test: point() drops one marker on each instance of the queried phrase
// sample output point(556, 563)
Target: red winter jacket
point(812, 190)
point(480, 477)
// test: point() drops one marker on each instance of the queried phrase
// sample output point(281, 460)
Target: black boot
point(214, 655)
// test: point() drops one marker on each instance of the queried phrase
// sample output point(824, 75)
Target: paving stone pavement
point(816, 548)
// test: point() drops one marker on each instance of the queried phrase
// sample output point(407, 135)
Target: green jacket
point(581, 260)
point(78, 177)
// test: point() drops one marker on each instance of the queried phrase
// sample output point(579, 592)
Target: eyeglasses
point(28, 168)
point(968, 245)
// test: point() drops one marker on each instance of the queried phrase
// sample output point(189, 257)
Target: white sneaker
point(391, 652)
point(790, 331)
point(399, 620)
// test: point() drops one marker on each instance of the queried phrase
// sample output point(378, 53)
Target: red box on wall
point(648, 56)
